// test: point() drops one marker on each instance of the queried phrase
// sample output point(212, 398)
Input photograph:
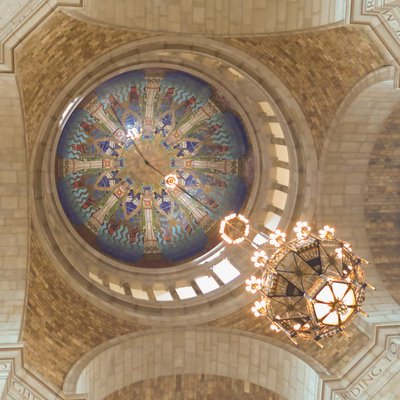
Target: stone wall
point(13, 211)
point(338, 351)
point(390, 391)
point(382, 200)
point(350, 180)
point(194, 387)
point(61, 326)
point(319, 68)
point(59, 48)
point(151, 355)
point(8, 9)
point(217, 17)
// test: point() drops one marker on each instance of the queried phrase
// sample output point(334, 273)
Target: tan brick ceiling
point(318, 68)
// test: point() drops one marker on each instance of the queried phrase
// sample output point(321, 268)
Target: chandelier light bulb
point(302, 230)
point(347, 246)
point(274, 327)
point(253, 285)
point(339, 252)
point(259, 308)
point(327, 232)
point(344, 246)
point(277, 238)
point(259, 258)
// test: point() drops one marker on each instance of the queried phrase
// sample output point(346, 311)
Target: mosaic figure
point(116, 149)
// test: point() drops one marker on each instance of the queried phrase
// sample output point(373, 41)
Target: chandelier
point(310, 287)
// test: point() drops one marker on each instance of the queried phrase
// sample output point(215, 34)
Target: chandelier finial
point(234, 228)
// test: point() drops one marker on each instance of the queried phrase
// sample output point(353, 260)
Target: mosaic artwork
point(120, 143)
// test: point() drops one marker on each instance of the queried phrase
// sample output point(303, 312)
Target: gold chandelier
point(310, 287)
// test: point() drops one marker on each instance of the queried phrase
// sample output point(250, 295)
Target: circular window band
point(200, 283)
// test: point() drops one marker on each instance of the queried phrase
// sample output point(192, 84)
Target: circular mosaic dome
point(122, 141)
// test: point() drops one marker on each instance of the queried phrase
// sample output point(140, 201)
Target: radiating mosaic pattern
point(119, 144)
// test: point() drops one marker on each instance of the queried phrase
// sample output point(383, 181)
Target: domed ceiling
point(120, 143)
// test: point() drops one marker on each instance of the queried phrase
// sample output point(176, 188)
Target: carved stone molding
point(382, 16)
point(368, 374)
point(22, 384)
point(28, 17)
point(5, 367)
point(18, 390)
point(383, 19)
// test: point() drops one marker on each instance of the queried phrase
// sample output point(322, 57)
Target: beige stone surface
point(337, 353)
point(61, 326)
point(13, 211)
point(319, 68)
point(8, 9)
point(390, 391)
point(321, 65)
point(358, 194)
point(217, 17)
point(205, 351)
point(348, 200)
point(382, 199)
point(60, 47)
point(194, 387)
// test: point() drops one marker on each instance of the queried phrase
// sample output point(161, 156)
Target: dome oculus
point(119, 149)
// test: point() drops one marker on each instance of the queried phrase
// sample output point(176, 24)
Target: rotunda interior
point(130, 129)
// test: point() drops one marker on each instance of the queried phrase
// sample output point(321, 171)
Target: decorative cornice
point(383, 19)
point(365, 375)
point(22, 384)
point(371, 371)
point(24, 22)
